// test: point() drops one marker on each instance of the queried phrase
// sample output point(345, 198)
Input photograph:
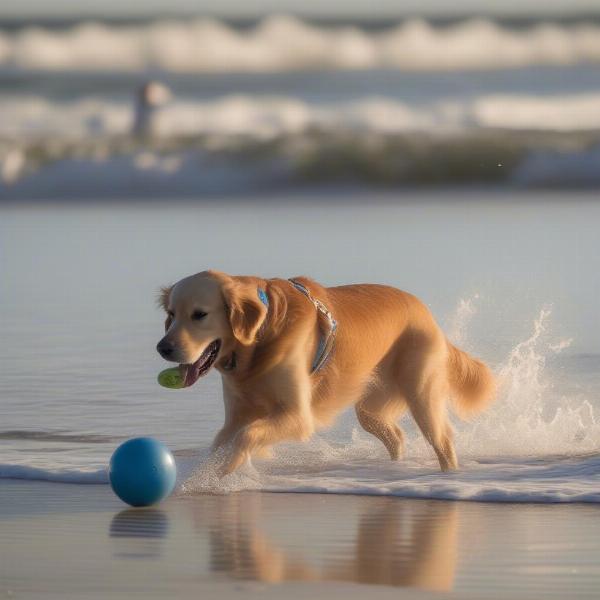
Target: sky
point(313, 7)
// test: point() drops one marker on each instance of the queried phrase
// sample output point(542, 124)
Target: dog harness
point(327, 337)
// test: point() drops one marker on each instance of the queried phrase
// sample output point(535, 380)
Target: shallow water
point(230, 545)
point(512, 278)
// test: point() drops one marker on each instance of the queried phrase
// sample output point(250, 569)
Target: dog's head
point(208, 315)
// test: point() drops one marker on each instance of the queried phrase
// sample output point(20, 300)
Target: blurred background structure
point(226, 97)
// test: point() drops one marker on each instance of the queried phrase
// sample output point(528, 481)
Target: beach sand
point(64, 540)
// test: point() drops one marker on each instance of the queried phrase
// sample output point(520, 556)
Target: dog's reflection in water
point(388, 541)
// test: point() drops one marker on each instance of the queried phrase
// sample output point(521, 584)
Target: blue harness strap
point(327, 338)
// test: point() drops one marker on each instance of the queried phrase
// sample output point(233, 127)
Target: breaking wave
point(56, 475)
point(284, 43)
point(272, 116)
point(84, 148)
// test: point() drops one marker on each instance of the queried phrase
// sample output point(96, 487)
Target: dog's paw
point(233, 462)
point(245, 443)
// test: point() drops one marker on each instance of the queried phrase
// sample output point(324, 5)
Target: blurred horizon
point(256, 9)
point(375, 22)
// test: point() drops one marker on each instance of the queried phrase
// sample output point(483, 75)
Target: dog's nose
point(165, 348)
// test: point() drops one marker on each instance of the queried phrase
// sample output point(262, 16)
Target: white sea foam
point(282, 43)
point(72, 474)
point(270, 116)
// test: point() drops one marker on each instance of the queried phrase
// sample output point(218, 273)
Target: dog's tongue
point(189, 374)
point(183, 373)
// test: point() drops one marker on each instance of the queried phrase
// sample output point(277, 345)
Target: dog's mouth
point(190, 373)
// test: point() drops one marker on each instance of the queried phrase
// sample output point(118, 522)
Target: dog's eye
point(170, 314)
point(198, 315)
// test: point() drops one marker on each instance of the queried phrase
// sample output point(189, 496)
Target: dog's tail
point(471, 382)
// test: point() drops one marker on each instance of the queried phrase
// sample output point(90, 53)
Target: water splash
point(466, 309)
point(528, 418)
point(199, 473)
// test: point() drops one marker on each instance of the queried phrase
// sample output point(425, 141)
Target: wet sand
point(61, 540)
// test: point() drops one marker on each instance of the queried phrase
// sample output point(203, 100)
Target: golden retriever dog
point(293, 354)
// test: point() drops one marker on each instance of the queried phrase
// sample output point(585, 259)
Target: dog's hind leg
point(428, 407)
point(377, 412)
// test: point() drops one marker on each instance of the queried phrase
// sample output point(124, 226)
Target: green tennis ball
point(171, 378)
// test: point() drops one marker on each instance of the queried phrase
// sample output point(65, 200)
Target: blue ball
point(142, 471)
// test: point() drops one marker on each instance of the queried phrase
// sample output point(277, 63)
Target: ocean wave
point(56, 475)
point(362, 467)
point(559, 481)
point(122, 168)
point(323, 468)
point(56, 436)
point(283, 43)
point(243, 142)
point(273, 116)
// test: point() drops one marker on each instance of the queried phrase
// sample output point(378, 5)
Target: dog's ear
point(246, 311)
point(163, 297)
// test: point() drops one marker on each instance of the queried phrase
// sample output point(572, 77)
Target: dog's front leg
point(291, 420)
point(222, 438)
point(233, 420)
point(226, 436)
point(265, 432)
